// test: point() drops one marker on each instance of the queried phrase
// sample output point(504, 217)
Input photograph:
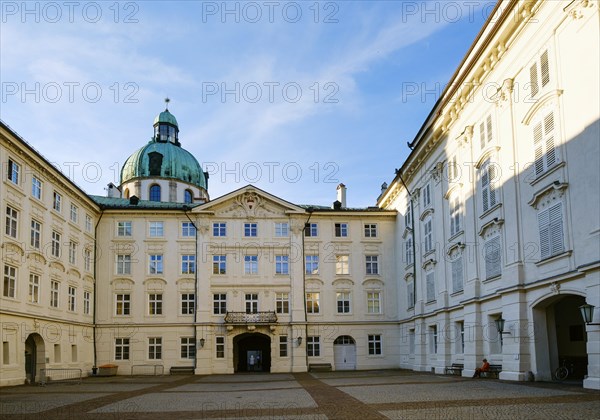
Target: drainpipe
point(414, 245)
point(310, 212)
point(185, 210)
point(95, 366)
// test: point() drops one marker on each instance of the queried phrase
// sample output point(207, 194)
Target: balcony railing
point(266, 317)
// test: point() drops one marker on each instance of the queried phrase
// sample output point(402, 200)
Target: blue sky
point(317, 93)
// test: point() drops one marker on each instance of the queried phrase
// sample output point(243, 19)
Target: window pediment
point(487, 154)
point(426, 213)
point(373, 283)
point(453, 189)
point(491, 228)
point(541, 104)
point(343, 283)
point(548, 194)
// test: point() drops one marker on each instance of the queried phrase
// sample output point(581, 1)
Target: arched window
point(155, 193)
point(187, 196)
point(126, 192)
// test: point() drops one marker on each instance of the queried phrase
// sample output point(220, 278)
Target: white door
point(344, 356)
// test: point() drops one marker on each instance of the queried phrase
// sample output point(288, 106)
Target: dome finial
point(167, 100)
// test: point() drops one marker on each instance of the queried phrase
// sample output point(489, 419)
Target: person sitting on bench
point(485, 367)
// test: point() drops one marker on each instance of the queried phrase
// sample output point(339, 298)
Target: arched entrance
point(560, 335)
point(35, 357)
point(344, 353)
point(252, 353)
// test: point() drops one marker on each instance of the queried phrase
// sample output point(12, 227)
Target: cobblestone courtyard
point(393, 394)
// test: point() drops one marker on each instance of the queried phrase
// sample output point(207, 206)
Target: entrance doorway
point(344, 353)
point(560, 337)
point(252, 353)
point(35, 357)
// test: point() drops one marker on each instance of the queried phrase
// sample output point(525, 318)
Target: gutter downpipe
point(414, 250)
point(310, 212)
point(185, 210)
point(95, 366)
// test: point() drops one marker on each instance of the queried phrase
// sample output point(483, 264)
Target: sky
point(293, 97)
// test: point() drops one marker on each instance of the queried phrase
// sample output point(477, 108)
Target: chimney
point(113, 191)
point(341, 195)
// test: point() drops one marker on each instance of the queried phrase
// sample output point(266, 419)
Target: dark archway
point(251, 348)
point(560, 336)
point(35, 357)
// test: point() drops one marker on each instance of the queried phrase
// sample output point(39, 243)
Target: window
point(433, 339)
point(312, 264)
point(74, 213)
point(55, 244)
point(544, 144)
point(188, 196)
point(122, 304)
point(188, 230)
point(121, 348)
point(283, 346)
point(343, 302)
point(155, 304)
point(311, 229)
point(251, 303)
point(5, 353)
point(428, 235)
point(426, 196)
point(156, 264)
point(550, 223)
point(187, 303)
point(485, 132)
point(430, 286)
point(250, 229)
point(460, 327)
point(539, 74)
point(282, 230)
point(372, 264)
point(452, 169)
point(36, 187)
point(408, 220)
point(408, 250)
point(341, 230)
point(73, 352)
point(57, 201)
point(124, 264)
point(155, 348)
point(341, 265)
point(54, 293)
point(11, 221)
point(72, 252)
point(374, 302)
point(411, 341)
point(374, 342)
point(220, 347)
point(87, 259)
point(219, 264)
point(250, 264)
point(454, 214)
point(313, 346)
point(282, 303)
point(34, 288)
point(219, 303)
point(488, 192)
point(13, 171)
point(188, 348)
point(220, 229)
point(155, 193)
point(57, 354)
point(312, 302)
point(156, 229)
point(457, 274)
point(410, 294)
point(10, 281)
point(88, 223)
point(493, 267)
point(72, 299)
point(36, 233)
point(123, 228)
point(188, 264)
point(87, 300)
point(282, 264)
point(370, 230)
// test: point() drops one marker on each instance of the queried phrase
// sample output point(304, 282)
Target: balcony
point(266, 317)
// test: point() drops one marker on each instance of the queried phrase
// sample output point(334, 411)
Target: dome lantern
point(166, 128)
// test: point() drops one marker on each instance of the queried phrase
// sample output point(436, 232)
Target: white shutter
point(489, 128)
point(491, 179)
point(545, 68)
point(485, 188)
point(549, 143)
point(430, 280)
point(493, 266)
point(539, 148)
point(482, 135)
point(557, 243)
point(544, 225)
point(533, 79)
point(457, 275)
point(410, 295)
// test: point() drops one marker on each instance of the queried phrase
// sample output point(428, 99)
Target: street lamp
point(500, 326)
point(299, 340)
point(587, 313)
point(202, 341)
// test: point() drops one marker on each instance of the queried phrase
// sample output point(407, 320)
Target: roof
point(319, 208)
point(125, 204)
point(166, 117)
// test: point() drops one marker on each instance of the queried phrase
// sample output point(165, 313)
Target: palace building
point(485, 244)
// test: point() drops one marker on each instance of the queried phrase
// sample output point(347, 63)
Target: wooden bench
point(181, 370)
point(493, 372)
point(455, 369)
point(319, 367)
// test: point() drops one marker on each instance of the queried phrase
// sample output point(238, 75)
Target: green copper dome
point(166, 117)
